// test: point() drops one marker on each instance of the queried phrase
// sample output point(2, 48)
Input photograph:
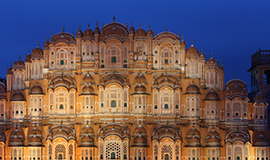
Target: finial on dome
point(220, 62)
point(88, 25)
point(72, 33)
point(127, 25)
point(166, 29)
point(28, 50)
point(140, 25)
point(113, 18)
point(10, 65)
point(235, 76)
point(52, 34)
point(38, 43)
point(178, 33)
point(19, 57)
point(96, 23)
point(191, 42)
point(211, 54)
point(182, 38)
point(131, 24)
point(101, 25)
point(202, 50)
point(47, 39)
point(79, 27)
point(63, 28)
point(155, 33)
point(149, 26)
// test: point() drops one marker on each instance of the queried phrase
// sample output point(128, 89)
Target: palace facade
point(119, 93)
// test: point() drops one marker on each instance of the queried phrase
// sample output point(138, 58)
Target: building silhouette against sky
point(119, 93)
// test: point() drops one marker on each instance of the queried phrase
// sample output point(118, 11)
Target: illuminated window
point(113, 103)
point(113, 59)
point(112, 155)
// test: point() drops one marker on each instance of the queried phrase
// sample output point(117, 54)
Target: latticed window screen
point(113, 148)
point(155, 150)
point(50, 150)
point(70, 149)
point(125, 150)
point(166, 149)
point(60, 149)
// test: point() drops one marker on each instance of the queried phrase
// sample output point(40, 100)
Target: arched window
point(113, 103)
point(101, 156)
point(113, 59)
point(167, 157)
point(125, 156)
point(112, 155)
point(60, 157)
point(238, 158)
point(90, 158)
point(166, 61)
point(61, 106)
point(176, 107)
point(166, 106)
point(140, 158)
point(155, 106)
point(101, 104)
point(86, 158)
point(156, 158)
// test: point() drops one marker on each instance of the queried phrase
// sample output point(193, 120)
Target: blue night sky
point(232, 30)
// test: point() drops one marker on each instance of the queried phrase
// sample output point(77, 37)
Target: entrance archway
point(167, 157)
point(60, 157)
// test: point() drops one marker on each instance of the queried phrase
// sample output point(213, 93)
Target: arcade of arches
point(116, 93)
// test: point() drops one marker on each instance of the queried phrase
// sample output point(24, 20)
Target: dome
point(19, 64)
point(166, 80)
point(193, 131)
point(79, 33)
point(212, 132)
point(18, 96)
point(202, 56)
point(149, 32)
point(192, 89)
point(88, 32)
point(35, 141)
point(88, 78)
point(131, 30)
point(140, 32)
point(211, 63)
point(212, 95)
point(261, 140)
point(97, 31)
point(140, 88)
point(88, 89)
point(193, 139)
point(9, 70)
point(46, 45)
point(192, 52)
point(36, 90)
point(140, 78)
point(37, 50)
point(28, 58)
point(87, 139)
point(140, 140)
point(62, 82)
point(236, 90)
